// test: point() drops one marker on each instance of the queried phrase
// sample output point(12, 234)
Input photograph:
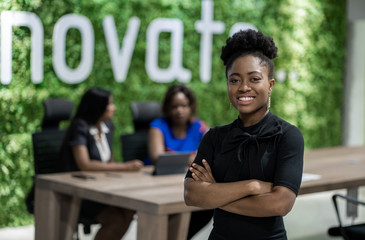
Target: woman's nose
point(113, 107)
point(245, 86)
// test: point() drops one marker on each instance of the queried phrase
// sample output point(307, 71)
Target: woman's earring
point(269, 102)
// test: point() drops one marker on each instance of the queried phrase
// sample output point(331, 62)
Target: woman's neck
point(252, 120)
point(179, 130)
point(98, 125)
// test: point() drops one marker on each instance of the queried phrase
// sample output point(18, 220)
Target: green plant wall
point(310, 36)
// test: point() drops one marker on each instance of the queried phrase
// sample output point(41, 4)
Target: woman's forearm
point(94, 165)
point(214, 195)
point(156, 145)
point(84, 162)
point(279, 202)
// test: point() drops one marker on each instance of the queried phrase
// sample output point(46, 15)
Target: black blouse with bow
point(271, 150)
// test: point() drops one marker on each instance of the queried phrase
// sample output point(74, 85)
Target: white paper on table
point(310, 177)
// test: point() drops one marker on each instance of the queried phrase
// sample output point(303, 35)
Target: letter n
point(25, 19)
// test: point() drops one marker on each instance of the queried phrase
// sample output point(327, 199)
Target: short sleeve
point(157, 123)
point(78, 133)
point(289, 166)
point(203, 127)
point(205, 151)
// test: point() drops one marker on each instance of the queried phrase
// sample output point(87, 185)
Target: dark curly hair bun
point(246, 42)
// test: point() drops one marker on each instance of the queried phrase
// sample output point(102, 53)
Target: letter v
point(120, 58)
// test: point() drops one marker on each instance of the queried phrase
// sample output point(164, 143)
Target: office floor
point(310, 218)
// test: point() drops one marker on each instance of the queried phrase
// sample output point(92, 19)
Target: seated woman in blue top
point(87, 146)
point(179, 131)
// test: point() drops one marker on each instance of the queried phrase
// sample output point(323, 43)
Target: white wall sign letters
point(120, 56)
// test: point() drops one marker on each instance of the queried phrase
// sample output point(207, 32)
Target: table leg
point(178, 226)
point(151, 227)
point(69, 216)
point(56, 215)
point(46, 214)
point(351, 209)
point(162, 227)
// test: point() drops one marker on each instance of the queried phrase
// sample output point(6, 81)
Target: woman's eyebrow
point(255, 72)
point(234, 74)
point(249, 73)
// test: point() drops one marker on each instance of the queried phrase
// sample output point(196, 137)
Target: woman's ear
point(271, 85)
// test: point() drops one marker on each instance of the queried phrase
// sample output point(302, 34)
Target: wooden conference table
point(158, 200)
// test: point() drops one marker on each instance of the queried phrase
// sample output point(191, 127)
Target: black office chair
point(350, 232)
point(47, 144)
point(55, 111)
point(134, 146)
point(143, 113)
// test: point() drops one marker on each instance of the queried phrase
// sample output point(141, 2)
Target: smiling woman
point(308, 43)
point(249, 88)
point(250, 170)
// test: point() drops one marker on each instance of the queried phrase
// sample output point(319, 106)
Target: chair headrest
point(56, 110)
point(143, 113)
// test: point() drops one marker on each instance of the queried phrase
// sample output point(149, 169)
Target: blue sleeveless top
point(190, 143)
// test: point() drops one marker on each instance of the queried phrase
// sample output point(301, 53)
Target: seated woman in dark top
point(249, 171)
point(87, 146)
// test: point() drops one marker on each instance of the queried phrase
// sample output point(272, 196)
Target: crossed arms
point(252, 197)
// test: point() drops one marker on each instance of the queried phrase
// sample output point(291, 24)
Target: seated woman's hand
point(133, 165)
point(202, 173)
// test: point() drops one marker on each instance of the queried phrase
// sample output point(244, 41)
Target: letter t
point(207, 27)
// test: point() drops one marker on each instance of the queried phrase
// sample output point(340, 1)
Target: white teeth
point(245, 98)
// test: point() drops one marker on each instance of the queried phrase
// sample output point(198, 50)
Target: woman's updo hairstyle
point(250, 42)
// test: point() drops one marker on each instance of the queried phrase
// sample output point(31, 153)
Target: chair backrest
point(48, 141)
point(46, 147)
point(143, 113)
point(134, 146)
point(55, 111)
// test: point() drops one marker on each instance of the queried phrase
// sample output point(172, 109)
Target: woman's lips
point(245, 100)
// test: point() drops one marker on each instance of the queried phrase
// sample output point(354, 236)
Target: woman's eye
point(256, 79)
point(232, 81)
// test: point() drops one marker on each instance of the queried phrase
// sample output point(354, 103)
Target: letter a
point(175, 70)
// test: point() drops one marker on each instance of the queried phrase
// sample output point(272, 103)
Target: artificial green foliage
point(310, 36)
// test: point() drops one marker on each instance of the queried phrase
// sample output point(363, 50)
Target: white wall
point(354, 94)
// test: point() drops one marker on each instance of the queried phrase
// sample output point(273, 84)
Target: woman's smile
point(245, 100)
point(249, 87)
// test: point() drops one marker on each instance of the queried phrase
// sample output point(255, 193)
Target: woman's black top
point(272, 151)
point(79, 134)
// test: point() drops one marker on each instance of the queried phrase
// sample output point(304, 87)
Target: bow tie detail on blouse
point(247, 149)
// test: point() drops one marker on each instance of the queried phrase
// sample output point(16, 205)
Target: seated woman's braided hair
point(250, 42)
